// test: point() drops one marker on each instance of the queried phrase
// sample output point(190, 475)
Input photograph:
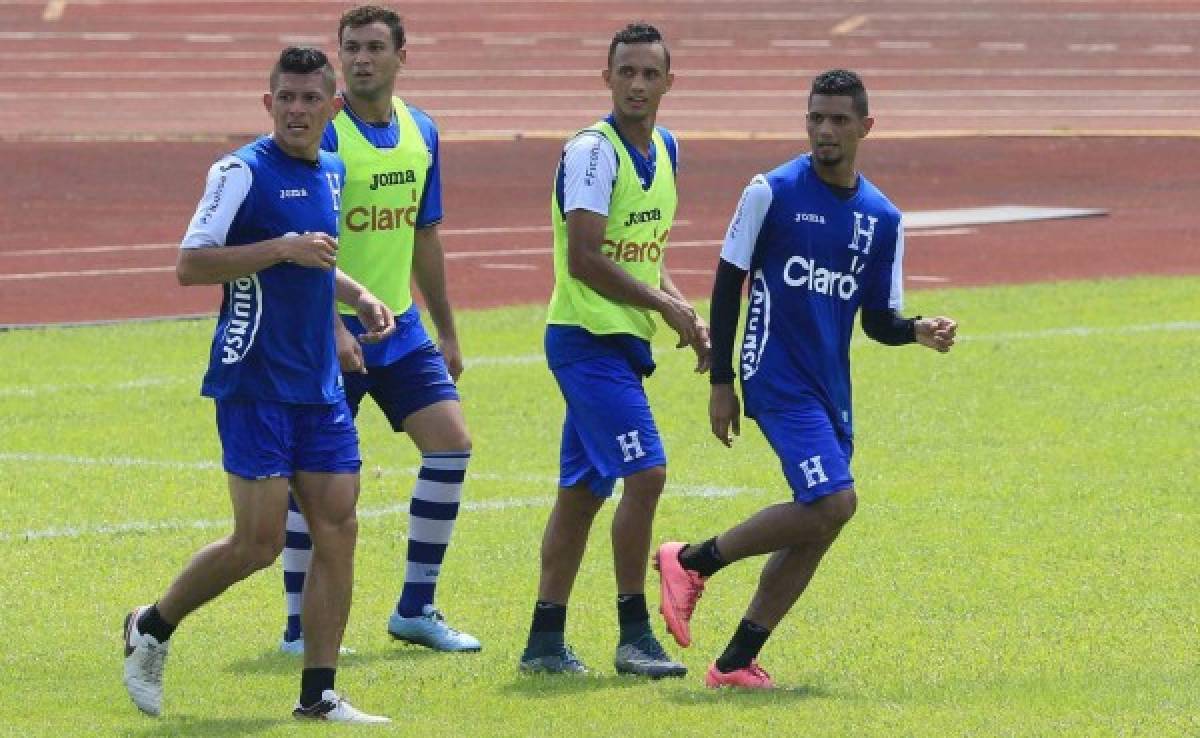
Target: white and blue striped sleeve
point(229, 181)
point(747, 222)
point(896, 294)
point(589, 170)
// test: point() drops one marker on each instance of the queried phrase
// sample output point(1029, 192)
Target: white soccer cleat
point(145, 658)
point(335, 709)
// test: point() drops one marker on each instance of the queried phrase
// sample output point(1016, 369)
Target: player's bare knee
point(839, 508)
point(648, 483)
point(340, 531)
point(257, 553)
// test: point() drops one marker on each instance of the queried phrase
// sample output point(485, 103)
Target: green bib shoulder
point(380, 199)
point(639, 226)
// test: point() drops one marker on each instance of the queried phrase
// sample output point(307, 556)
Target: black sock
point(313, 683)
point(703, 558)
point(743, 648)
point(548, 617)
point(151, 623)
point(633, 616)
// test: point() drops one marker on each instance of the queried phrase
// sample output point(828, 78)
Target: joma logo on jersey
point(245, 308)
point(802, 272)
point(380, 219)
point(388, 179)
point(295, 192)
point(643, 216)
point(810, 218)
point(633, 251)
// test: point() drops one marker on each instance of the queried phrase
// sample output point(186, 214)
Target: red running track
point(94, 236)
point(111, 111)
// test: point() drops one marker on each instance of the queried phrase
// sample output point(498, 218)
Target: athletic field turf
point(1024, 559)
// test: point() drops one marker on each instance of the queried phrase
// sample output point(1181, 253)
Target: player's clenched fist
point(936, 333)
point(317, 250)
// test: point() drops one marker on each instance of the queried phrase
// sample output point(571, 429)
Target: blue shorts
point(815, 458)
point(262, 439)
point(609, 432)
point(413, 382)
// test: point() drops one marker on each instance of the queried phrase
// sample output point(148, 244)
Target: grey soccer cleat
point(646, 657)
point(561, 660)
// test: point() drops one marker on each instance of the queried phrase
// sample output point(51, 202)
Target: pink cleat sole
point(679, 590)
point(750, 677)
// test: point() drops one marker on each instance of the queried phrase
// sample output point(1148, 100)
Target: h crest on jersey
point(862, 238)
point(335, 189)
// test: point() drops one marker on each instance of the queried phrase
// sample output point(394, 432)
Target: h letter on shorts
point(814, 473)
point(631, 447)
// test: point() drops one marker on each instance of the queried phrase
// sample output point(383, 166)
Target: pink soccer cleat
point(749, 677)
point(679, 590)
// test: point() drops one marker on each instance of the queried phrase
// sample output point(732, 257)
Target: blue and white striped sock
point(431, 516)
point(297, 554)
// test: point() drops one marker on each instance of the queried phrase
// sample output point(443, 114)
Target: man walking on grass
point(821, 242)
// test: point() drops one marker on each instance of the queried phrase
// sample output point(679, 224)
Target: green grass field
point(1024, 559)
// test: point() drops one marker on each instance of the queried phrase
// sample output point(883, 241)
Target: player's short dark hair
point(365, 15)
point(638, 33)
point(304, 60)
point(841, 82)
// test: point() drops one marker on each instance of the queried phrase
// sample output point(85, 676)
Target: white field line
point(1083, 331)
point(586, 74)
point(55, 389)
point(40, 390)
point(526, 359)
point(123, 272)
point(1183, 326)
point(158, 526)
point(511, 267)
point(454, 232)
point(508, 93)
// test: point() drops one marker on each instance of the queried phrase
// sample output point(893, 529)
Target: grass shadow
point(541, 686)
point(274, 662)
point(749, 698)
point(209, 726)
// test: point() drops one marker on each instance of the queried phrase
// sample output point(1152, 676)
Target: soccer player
point(392, 204)
point(821, 242)
point(612, 210)
point(265, 229)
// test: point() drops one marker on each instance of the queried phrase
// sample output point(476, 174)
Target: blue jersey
point(815, 258)
point(274, 336)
